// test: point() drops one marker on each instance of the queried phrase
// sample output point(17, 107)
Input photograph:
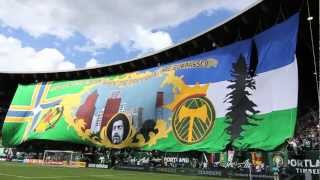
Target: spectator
point(293, 145)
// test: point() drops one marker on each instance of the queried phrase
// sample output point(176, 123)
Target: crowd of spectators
point(307, 136)
point(241, 161)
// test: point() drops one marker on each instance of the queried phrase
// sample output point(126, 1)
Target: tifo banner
point(244, 94)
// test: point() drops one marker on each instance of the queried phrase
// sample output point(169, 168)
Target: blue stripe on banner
point(225, 57)
point(50, 104)
point(40, 93)
point(34, 121)
point(277, 45)
point(276, 48)
point(15, 113)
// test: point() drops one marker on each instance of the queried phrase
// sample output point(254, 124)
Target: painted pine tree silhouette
point(242, 109)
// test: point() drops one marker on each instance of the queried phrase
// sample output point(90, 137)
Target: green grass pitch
point(17, 171)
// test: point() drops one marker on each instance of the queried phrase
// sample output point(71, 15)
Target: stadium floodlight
point(62, 158)
point(214, 44)
point(310, 18)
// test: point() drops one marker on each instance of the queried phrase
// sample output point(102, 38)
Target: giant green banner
point(203, 102)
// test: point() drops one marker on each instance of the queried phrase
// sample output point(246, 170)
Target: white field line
point(11, 175)
point(128, 174)
point(101, 175)
point(53, 177)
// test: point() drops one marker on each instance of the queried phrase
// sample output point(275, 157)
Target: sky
point(63, 35)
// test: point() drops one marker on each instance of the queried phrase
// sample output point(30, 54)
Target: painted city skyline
point(101, 104)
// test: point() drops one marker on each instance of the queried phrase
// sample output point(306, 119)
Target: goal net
point(62, 158)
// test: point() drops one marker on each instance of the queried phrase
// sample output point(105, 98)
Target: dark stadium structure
point(251, 21)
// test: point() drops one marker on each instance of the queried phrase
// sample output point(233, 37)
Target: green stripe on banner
point(23, 96)
point(55, 89)
point(273, 129)
point(277, 126)
point(12, 133)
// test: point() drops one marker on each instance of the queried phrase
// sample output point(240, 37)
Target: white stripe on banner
point(275, 90)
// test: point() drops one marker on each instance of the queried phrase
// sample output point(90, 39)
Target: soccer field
point(13, 171)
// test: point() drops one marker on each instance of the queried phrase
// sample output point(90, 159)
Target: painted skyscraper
point(97, 120)
point(159, 104)
point(123, 107)
point(140, 117)
point(111, 108)
point(134, 117)
point(86, 110)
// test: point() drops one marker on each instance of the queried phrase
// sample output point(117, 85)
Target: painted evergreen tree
point(242, 109)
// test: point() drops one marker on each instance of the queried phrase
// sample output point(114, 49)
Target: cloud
point(105, 23)
point(92, 63)
point(14, 57)
point(65, 65)
point(146, 41)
